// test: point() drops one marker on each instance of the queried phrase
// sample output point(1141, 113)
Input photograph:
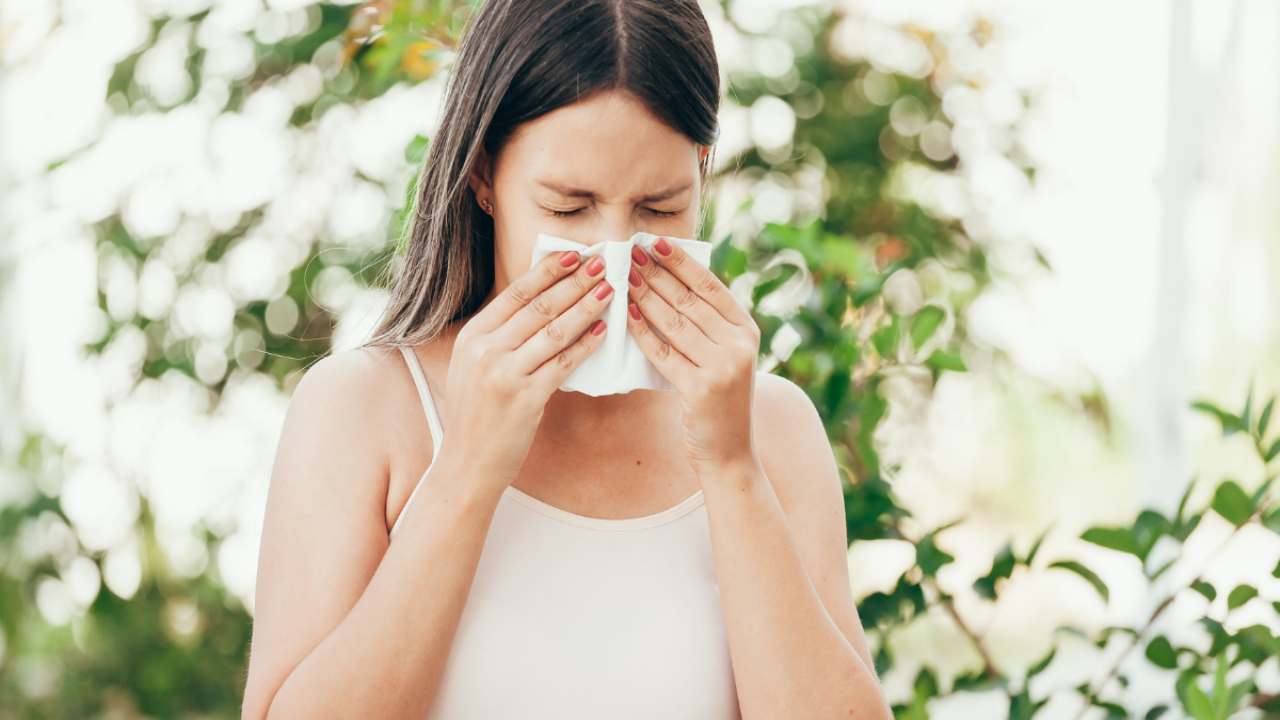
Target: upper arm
point(802, 469)
point(324, 531)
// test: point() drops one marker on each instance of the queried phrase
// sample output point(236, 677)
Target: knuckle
point(564, 360)
point(550, 271)
point(708, 283)
point(686, 298)
point(554, 332)
point(675, 324)
point(542, 306)
point(519, 293)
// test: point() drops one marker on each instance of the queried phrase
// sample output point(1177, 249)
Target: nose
point(613, 223)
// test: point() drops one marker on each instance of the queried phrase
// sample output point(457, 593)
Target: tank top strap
point(424, 394)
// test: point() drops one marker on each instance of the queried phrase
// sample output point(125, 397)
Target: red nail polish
point(595, 266)
point(597, 328)
point(639, 256)
point(634, 310)
point(569, 259)
point(633, 277)
point(664, 247)
point(603, 290)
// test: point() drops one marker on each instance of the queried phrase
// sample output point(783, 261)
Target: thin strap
point(433, 421)
point(424, 394)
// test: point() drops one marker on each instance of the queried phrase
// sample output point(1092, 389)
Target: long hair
point(518, 60)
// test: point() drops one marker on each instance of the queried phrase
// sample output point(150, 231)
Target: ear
point(481, 177)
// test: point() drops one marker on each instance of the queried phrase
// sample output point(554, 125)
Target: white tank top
point(573, 617)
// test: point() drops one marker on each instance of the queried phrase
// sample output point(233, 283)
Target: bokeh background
point(1005, 246)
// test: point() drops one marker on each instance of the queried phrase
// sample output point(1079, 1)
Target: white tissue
point(619, 365)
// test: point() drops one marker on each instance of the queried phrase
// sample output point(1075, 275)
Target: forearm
point(386, 657)
point(790, 659)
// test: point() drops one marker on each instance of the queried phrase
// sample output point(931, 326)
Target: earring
point(486, 206)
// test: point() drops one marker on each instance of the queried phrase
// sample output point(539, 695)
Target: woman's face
point(600, 169)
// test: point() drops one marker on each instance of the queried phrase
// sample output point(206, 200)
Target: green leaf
point(943, 360)
point(1230, 423)
point(1161, 653)
point(1204, 589)
point(1043, 663)
point(1273, 452)
point(1035, 547)
point(1001, 568)
point(727, 260)
point(1155, 712)
point(924, 323)
point(1231, 502)
point(416, 150)
point(1271, 520)
point(1090, 576)
point(1220, 682)
point(1115, 538)
point(1147, 529)
point(885, 339)
point(1265, 419)
point(1241, 595)
point(1197, 703)
point(929, 556)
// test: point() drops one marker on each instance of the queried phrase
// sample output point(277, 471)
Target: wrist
point(741, 472)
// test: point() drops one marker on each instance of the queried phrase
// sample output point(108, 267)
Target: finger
point(699, 279)
point(552, 373)
point(551, 303)
point(680, 296)
point(670, 362)
point(558, 334)
point(679, 330)
point(545, 273)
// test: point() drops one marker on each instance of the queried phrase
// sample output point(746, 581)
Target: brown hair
point(518, 60)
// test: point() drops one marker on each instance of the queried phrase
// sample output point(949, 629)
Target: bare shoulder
point(790, 435)
point(324, 530)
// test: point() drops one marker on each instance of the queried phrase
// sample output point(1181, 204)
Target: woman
point(649, 554)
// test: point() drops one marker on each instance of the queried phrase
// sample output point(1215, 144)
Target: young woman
point(449, 535)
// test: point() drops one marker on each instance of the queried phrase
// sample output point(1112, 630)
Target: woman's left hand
point(709, 353)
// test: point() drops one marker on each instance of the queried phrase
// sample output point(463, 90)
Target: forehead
point(609, 142)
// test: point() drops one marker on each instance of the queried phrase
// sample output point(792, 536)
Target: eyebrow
point(579, 192)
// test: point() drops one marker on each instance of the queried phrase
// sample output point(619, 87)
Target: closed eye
point(569, 213)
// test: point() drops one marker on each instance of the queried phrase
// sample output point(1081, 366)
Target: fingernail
point(595, 266)
point(597, 328)
point(664, 247)
point(639, 255)
point(633, 277)
point(603, 290)
point(569, 259)
point(634, 310)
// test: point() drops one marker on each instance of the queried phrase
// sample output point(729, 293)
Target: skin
point(347, 623)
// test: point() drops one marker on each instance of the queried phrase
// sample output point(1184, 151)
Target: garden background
point(1022, 255)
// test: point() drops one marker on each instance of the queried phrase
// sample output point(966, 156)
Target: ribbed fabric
point(574, 617)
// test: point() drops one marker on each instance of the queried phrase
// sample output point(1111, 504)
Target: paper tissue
point(619, 365)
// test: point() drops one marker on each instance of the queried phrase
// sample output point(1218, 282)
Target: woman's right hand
point(514, 353)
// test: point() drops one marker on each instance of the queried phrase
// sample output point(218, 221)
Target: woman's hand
point(514, 353)
point(709, 351)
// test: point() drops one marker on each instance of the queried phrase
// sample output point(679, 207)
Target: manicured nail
point(639, 255)
point(633, 277)
point(595, 266)
point(597, 328)
point(634, 310)
point(664, 247)
point(603, 290)
point(569, 259)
